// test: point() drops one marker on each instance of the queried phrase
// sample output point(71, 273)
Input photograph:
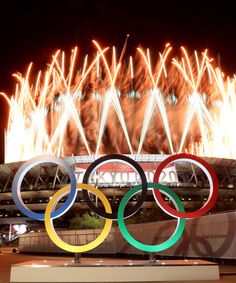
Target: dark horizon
point(32, 31)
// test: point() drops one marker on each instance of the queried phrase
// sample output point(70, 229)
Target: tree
point(86, 221)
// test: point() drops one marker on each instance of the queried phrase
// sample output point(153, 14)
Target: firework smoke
point(102, 105)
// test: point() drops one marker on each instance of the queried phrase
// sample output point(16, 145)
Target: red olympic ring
point(213, 180)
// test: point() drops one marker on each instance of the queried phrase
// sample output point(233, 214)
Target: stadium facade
point(188, 181)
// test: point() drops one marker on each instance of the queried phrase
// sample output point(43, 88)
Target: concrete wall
point(211, 236)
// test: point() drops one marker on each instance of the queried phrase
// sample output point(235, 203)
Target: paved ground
point(6, 260)
point(228, 272)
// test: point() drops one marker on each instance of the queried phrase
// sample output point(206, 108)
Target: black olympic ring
point(125, 159)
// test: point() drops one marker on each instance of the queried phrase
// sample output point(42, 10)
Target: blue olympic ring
point(18, 179)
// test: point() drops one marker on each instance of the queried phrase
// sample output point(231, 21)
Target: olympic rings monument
point(117, 270)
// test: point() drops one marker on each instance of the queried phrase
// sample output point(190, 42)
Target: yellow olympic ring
point(49, 222)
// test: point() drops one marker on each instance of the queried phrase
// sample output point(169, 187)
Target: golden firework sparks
point(110, 103)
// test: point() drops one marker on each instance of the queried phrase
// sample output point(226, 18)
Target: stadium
point(39, 185)
point(123, 106)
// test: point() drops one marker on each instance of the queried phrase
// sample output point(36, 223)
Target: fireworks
point(109, 103)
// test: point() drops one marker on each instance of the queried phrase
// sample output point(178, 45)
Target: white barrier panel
point(210, 236)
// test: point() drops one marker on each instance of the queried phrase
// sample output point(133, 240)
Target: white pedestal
point(114, 271)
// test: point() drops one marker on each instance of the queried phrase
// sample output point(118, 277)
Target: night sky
point(33, 30)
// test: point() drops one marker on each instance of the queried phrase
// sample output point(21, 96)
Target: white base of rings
point(173, 270)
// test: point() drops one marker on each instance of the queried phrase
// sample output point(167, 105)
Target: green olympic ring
point(145, 247)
